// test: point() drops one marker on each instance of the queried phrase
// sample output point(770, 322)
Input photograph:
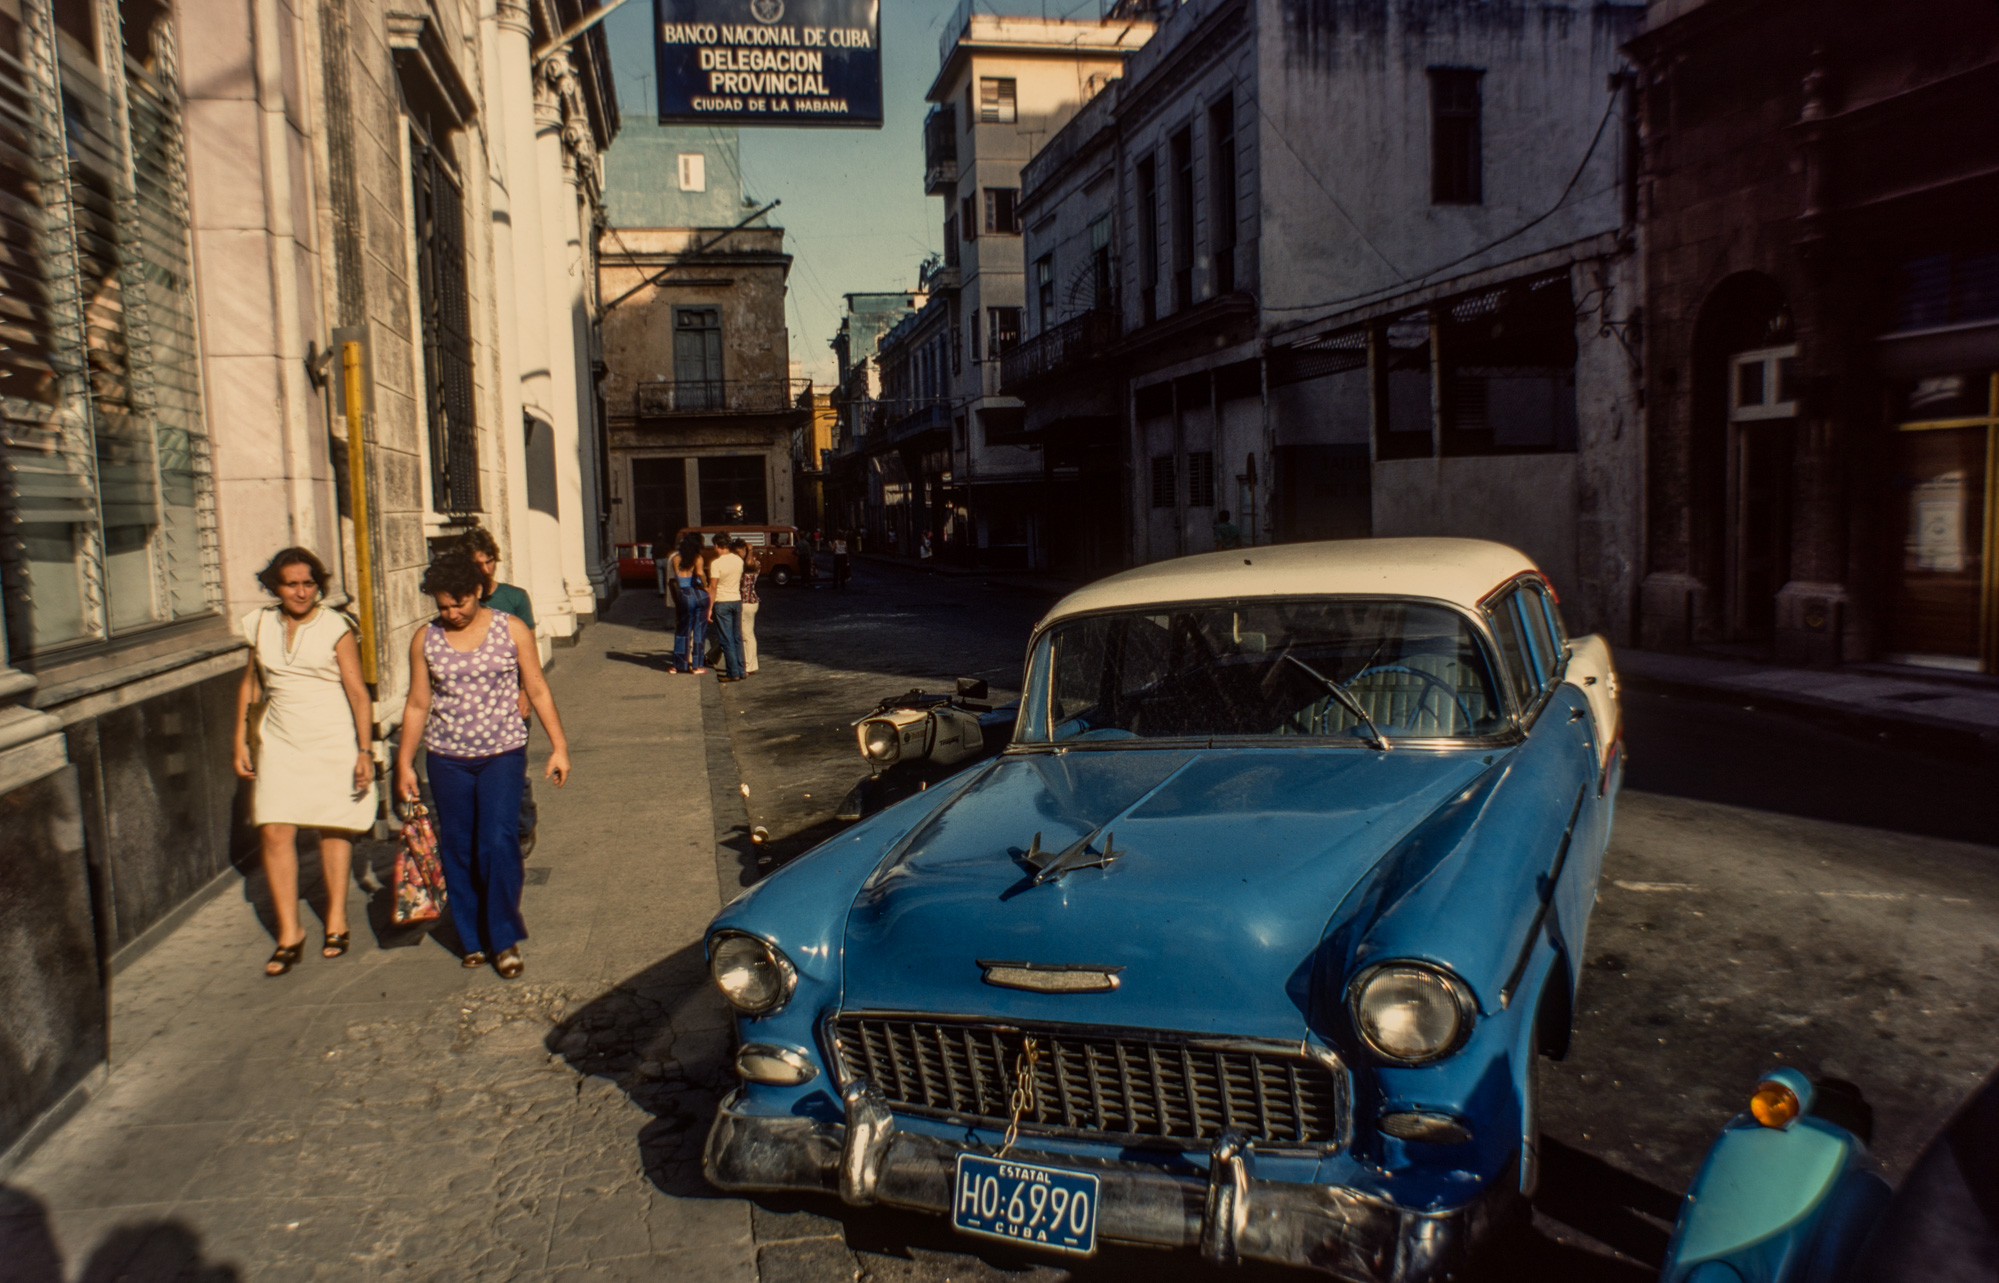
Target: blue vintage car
point(1789, 1194)
point(1247, 943)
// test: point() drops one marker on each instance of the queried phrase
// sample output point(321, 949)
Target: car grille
point(1127, 1085)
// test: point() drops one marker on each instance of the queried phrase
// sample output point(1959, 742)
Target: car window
point(782, 538)
point(1553, 608)
point(1263, 668)
point(1513, 645)
point(1534, 614)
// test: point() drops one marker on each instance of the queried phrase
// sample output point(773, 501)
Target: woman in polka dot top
point(468, 670)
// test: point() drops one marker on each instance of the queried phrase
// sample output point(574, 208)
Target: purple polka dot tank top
point(474, 696)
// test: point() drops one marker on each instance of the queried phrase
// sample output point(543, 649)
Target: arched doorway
point(1744, 452)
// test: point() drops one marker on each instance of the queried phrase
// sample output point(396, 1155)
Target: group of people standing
point(304, 735)
point(715, 585)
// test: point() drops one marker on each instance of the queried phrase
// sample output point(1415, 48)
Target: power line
point(1529, 225)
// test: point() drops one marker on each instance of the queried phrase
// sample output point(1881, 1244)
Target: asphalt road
point(1776, 892)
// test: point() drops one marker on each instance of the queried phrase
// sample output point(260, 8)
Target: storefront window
point(1943, 602)
point(105, 454)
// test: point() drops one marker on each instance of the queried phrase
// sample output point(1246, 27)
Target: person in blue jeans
point(690, 628)
point(468, 670)
point(725, 595)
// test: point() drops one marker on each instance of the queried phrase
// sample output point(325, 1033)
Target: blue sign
point(769, 62)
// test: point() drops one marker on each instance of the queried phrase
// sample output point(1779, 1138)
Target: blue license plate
point(1047, 1207)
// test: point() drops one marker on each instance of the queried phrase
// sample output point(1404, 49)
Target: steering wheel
point(1429, 680)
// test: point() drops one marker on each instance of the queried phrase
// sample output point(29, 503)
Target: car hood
point(1231, 864)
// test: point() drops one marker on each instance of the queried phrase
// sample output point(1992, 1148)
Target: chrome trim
point(1227, 1212)
point(870, 1127)
point(1460, 993)
point(788, 972)
point(796, 1060)
point(1048, 977)
point(1330, 1228)
point(1325, 1057)
point(1442, 1129)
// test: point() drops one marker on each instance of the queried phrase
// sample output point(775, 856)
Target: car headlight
point(1411, 1013)
point(881, 741)
point(754, 975)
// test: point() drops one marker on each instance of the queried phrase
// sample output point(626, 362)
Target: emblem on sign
point(766, 10)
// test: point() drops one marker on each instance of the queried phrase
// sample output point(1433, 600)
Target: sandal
point(471, 960)
point(285, 957)
point(509, 963)
point(336, 944)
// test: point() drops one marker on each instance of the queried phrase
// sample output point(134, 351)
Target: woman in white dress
point(311, 767)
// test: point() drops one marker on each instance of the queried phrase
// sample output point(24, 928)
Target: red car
point(635, 564)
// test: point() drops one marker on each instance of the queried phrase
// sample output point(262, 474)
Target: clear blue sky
point(854, 212)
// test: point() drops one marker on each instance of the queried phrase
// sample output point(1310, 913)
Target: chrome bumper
point(1227, 1215)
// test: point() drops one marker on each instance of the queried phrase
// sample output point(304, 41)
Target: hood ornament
point(1050, 977)
point(1049, 865)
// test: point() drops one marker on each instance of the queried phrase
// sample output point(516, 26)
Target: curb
point(1933, 736)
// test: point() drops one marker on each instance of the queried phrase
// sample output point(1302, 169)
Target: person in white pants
point(741, 548)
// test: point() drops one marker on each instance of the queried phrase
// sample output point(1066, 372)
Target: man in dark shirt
point(485, 551)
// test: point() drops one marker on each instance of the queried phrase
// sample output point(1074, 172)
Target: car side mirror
point(971, 688)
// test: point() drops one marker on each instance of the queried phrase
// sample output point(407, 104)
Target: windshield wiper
point(1344, 696)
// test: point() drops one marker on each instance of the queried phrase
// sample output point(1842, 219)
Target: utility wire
point(1521, 230)
point(1314, 176)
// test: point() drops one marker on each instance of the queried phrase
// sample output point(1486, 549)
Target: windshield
point(1261, 668)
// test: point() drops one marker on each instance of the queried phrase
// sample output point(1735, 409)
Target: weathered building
point(203, 202)
point(1822, 330)
point(1369, 271)
point(856, 400)
point(697, 385)
point(1004, 86)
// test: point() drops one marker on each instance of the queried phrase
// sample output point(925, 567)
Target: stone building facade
point(1361, 273)
point(203, 202)
point(1822, 337)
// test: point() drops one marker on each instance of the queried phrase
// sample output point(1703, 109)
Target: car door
point(1560, 752)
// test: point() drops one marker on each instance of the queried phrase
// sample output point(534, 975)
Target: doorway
point(659, 498)
point(1944, 602)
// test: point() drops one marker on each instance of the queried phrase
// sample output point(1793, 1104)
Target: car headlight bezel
point(1462, 1006)
point(782, 976)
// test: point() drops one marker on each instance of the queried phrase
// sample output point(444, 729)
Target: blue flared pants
point(479, 844)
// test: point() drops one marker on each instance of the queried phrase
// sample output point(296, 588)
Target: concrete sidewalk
point(390, 1114)
point(1945, 711)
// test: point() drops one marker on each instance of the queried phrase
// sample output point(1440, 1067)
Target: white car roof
point(1460, 571)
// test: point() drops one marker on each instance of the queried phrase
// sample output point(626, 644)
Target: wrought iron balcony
point(1056, 351)
point(940, 150)
point(659, 398)
point(913, 418)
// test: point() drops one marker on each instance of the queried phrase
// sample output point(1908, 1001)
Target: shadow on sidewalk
point(152, 1251)
point(664, 1038)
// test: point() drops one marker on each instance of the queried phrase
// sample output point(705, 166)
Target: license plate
point(1047, 1207)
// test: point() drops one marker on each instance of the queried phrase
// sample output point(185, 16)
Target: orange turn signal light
point(1775, 1105)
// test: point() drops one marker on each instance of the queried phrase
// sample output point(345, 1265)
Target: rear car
point(779, 552)
point(1245, 944)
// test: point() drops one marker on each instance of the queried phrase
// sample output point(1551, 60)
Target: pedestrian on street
point(479, 544)
point(468, 669)
point(1226, 534)
point(662, 554)
point(725, 606)
point(311, 767)
point(923, 552)
point(690, 617)
point(750, 603)
point(840, 560)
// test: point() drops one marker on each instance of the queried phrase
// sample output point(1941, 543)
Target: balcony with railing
point(916, 417)
point(1060, 350)
point(665, 398)
point(940, 150)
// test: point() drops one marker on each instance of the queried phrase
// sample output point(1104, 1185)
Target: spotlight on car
point(1411, 1013)
point(881, 741)
point(753, 974)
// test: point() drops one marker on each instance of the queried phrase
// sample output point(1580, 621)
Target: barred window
point(105, 487)
point(1162, 480)
point(1201, 479)
point(447, 331)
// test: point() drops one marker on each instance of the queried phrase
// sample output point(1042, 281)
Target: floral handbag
point(419, 875)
